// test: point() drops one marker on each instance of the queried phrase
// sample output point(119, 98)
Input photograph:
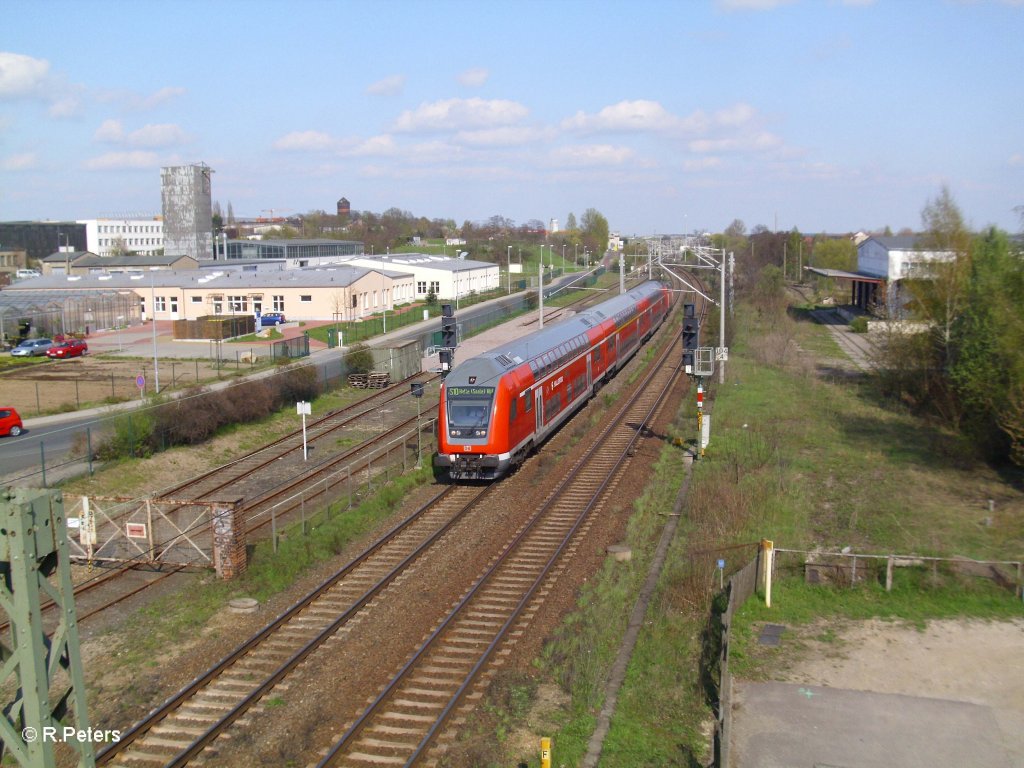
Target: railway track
point(185, 726)
point(189, 721)
point(406, 719)
point(96, 594)
point(218, 480)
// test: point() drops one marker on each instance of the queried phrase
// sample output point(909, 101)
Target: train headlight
point(480, 433)
point(455, 432)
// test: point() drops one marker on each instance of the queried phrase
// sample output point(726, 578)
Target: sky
point(667, 117)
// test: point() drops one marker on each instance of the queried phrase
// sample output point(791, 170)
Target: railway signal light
point(449, 337)
point(691, 336)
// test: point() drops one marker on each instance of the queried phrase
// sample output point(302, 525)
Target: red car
point(10, 422)
point(69, 348)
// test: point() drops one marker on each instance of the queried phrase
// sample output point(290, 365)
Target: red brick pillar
point(229, 554)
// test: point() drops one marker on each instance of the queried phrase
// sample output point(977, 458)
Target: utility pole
point(47, 717)
point(540, 291)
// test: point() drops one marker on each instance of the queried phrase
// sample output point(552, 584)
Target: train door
point(538, 394)
point(590, 374)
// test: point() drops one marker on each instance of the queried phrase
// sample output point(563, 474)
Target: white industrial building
point(445, 277)
point(114, 237)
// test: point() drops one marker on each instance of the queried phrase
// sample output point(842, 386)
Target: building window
point(161, 304)
point(278, 303)
point(238, 304)
point(421, 286)
point(197, 299)
point(306, 298)
point(174, 303)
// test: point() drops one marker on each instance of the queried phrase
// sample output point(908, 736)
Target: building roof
point(431, 261)
point(321, 277)
point(899, 242)
point(62, 257)
point(128, 260)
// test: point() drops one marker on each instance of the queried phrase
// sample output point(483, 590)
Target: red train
point(497, 407)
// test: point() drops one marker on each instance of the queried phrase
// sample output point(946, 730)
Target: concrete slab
point(786, 725)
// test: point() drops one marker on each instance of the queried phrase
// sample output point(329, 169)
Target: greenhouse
point(33, 314)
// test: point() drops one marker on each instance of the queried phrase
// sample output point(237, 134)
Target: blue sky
point(825, 115)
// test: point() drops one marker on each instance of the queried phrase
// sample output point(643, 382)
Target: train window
point(528, 397)
point(514, 411)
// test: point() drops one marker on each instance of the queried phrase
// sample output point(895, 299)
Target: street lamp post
point(156, 357)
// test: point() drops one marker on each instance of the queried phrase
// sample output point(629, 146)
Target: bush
point(359, 359)
point(298, 384)
point(859, 324)
point(132, 436)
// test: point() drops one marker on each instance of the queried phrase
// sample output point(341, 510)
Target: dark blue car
point(272, 318)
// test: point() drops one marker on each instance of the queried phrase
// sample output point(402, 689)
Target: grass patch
point(808, 463)
point(916, 598)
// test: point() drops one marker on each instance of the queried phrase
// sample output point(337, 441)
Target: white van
point(24, 274)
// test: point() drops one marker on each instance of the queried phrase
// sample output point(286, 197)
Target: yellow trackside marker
point(768, 550)
point(545, 752)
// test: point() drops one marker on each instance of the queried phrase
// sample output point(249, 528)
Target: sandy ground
point(972, 661)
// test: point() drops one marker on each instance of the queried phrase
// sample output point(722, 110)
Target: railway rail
point(187, 724)
point(405, 720)
point(190, 720)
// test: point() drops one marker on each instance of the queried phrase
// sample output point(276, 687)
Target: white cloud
point(752, 5)
point(389, 86)
point(160, 135)
point(702, 164)
point(506, 136)
point(383, 146)
point(21, 75)
point(474, 78)
point(161, 96)
point(1017, 159)
point(637, 115)
point(591, 155)
point(461, 114)
point(23, 161)
point(65, 106)
point(118, 161)
point(110, 131)
point(644, 116)
point(755, 142)
point(304, 141)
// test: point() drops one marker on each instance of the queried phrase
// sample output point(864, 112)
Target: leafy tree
point(736, 229)
point(986, 370)
point(834, 253)
point(570, 222)
point(595, 230)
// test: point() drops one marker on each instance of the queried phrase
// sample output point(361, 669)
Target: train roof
point(491, 364)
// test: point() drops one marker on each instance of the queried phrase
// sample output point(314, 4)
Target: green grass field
point(808, 460)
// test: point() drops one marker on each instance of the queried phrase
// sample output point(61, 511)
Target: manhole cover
point(771, 634)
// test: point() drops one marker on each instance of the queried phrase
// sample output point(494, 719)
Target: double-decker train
point(497, 407)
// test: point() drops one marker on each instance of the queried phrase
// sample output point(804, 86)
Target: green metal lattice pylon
point(45, 673)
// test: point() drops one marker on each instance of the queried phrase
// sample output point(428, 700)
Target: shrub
point(859, 324)
point(359, 359)
point(298, 384)
point(132, 436)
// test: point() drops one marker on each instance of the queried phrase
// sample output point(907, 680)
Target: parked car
point(69, 348)
point(272, 318)
point(10, 422)
point(32, 348)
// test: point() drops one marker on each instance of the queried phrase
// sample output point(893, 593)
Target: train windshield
point(469, 410)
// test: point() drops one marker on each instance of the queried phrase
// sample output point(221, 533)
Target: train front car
point(472, 443)
point(498, 407)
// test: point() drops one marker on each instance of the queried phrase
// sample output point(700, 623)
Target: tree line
point(394, 228)
point(961, 358)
